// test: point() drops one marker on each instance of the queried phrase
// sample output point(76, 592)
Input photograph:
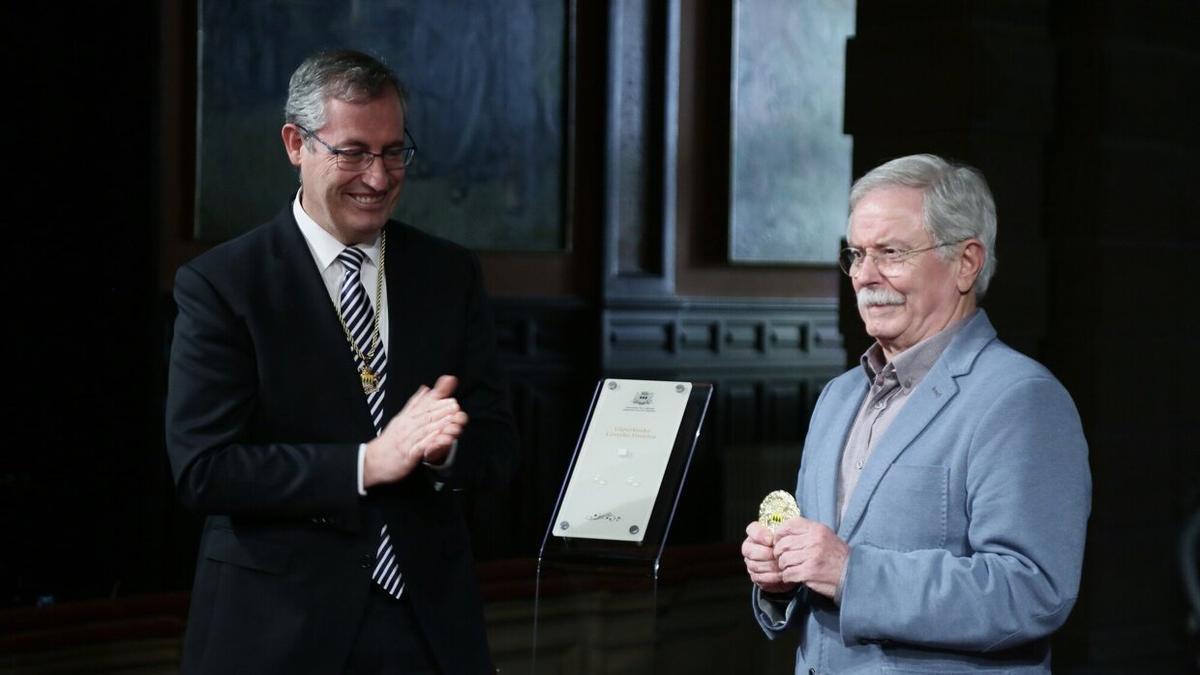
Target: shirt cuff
point(443, 468)
point(362, 458)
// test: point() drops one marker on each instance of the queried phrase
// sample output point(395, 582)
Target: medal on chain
point(366, 376)
point(370, 381)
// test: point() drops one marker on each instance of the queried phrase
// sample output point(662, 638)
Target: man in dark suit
point(301, 423)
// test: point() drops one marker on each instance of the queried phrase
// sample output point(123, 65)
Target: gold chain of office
point(368, 377)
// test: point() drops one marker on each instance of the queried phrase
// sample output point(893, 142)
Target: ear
point(293, 141)
point(969, 265)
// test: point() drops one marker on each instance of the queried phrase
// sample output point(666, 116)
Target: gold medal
point(777, 507)
point(370, 382)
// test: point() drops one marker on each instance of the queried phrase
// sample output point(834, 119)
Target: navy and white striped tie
point(360, 322)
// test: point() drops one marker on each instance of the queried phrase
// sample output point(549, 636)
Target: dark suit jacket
point(264, 416)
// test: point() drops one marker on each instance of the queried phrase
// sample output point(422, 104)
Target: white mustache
point(879, 296)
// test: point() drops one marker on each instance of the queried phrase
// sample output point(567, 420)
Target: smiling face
point(351, 205)
point(929, 293)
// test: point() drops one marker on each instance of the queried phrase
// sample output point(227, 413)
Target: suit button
point(812, 671)
point(366, 561)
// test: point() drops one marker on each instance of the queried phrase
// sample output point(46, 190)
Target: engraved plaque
point(622, 459)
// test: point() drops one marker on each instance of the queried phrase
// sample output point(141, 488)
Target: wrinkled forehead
point(888, 216)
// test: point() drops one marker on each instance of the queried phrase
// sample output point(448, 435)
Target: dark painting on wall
point(487, 91)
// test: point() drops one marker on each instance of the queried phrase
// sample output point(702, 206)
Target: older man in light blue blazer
point(944, 485)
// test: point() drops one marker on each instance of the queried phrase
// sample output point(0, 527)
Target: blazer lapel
point(398, 267)
point(827, 464)
point(926, 401)
point(934, 392)
point(305, 302)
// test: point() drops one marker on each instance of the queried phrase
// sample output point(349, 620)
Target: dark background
point(1083, 116)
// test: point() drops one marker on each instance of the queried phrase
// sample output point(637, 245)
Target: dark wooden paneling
point(640, 160)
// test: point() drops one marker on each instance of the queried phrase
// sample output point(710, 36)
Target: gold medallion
point(370, 383)
point(777, 507)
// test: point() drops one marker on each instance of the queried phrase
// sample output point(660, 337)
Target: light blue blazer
point(966, 529)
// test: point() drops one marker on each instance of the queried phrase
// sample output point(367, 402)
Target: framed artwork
point(488, 105)
point(790, 163)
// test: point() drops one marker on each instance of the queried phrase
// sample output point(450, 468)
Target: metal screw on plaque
point(633, 529)
point(564, 525)
point(612, 385)
point(679, 389)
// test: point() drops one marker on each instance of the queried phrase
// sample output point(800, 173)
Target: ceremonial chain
point(370, 380)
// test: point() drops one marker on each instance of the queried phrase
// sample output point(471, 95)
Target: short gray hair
point(343, 74)
point(958, 204)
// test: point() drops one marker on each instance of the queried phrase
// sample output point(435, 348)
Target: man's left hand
point(811, 554)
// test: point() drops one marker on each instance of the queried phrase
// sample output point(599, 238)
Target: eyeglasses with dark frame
point(354, 159)
point(889, 261)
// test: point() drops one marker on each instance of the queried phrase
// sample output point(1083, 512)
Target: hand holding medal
point(758, 548)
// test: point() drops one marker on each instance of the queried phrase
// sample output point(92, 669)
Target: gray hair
point(342, 74)
point(958, 204)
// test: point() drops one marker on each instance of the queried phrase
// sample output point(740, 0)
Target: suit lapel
point(827, 465)
point(310, 313)
point(398, 268)
point(926, 401)
point(933, 394)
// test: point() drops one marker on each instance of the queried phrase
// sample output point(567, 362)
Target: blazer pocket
point(226, 546)
point(907, 512)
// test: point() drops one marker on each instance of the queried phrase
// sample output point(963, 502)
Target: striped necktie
point(360, 322)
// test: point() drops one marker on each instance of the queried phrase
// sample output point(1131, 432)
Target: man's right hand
point(759, 553)
point(425, 428)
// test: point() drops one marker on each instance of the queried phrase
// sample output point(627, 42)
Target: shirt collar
point(324, 246)
point(913, 364)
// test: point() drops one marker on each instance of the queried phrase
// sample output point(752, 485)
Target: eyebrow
point(357, 144)
point(886, 243)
